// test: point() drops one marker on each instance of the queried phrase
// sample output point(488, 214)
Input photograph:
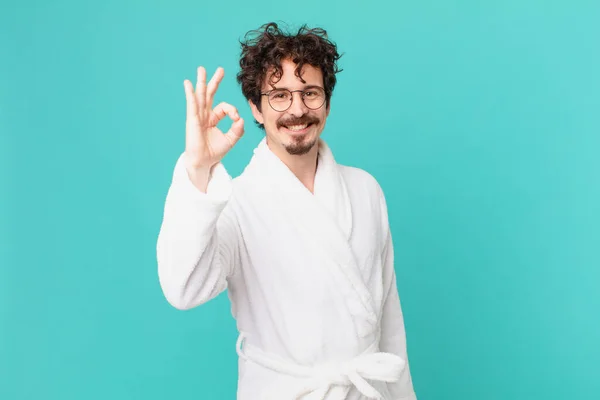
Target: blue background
point(481, 121)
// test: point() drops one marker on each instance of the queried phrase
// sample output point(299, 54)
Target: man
point(302, 243)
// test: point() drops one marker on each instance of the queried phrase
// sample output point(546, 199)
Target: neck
point(303, 166)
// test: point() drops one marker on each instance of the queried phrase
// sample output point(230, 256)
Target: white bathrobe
point(310, 277)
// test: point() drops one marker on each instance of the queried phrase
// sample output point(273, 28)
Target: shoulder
point(366, 190)
point(361, 179)
point(363, 184)
point(244, 182)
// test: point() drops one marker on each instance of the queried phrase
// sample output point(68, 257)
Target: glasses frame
point(292, 97)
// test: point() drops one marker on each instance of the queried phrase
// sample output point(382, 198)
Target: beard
point(299, 147)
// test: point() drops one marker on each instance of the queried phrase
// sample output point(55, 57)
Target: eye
point(310, 93)
point(280, 95)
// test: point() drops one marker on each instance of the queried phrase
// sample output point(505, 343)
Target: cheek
point(270, 118)
point(323, 116)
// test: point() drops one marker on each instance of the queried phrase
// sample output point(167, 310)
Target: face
point(297, 129)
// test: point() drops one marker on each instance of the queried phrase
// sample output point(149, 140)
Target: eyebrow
point(304, 88)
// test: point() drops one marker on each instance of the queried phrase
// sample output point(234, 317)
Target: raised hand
point(205, 144)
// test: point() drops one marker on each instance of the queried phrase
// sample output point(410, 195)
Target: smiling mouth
point(297, 127)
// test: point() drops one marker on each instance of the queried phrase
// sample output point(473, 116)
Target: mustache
point(305, 119)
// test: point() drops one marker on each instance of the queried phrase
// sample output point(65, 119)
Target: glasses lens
point(280, 99)
point(313, 98)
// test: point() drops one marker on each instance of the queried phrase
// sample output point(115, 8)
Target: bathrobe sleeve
point(197, 246)
point(393, 335)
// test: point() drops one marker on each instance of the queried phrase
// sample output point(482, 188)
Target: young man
point(302, 243)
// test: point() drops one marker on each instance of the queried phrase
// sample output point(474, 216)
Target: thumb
point(235, 132)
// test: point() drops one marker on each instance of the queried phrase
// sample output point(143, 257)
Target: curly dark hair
point(265, 48)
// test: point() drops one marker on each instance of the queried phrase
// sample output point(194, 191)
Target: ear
point(328, 109)
point(257, 114)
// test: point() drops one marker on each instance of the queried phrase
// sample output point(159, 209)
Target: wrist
point(200, 176)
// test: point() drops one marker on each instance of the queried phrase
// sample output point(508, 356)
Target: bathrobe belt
point(371, 364)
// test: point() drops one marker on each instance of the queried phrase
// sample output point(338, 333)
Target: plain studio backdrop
point(481, 121)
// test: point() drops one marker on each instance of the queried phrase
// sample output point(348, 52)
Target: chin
point(300, 145)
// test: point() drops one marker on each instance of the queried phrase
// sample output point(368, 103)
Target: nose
point(297, 108)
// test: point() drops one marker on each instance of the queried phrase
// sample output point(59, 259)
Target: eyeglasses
point(281, 99)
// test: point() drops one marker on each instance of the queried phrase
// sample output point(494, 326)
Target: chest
point(297, 244)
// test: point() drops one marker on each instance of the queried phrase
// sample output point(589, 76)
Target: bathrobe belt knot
point(371, 364)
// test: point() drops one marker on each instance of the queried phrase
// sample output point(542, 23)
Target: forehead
point(310, 74)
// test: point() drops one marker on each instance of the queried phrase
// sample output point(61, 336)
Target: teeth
point(297, 127)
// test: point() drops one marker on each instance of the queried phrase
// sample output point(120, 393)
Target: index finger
point(213, 84)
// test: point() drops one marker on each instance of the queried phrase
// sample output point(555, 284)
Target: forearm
point(196, 240)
